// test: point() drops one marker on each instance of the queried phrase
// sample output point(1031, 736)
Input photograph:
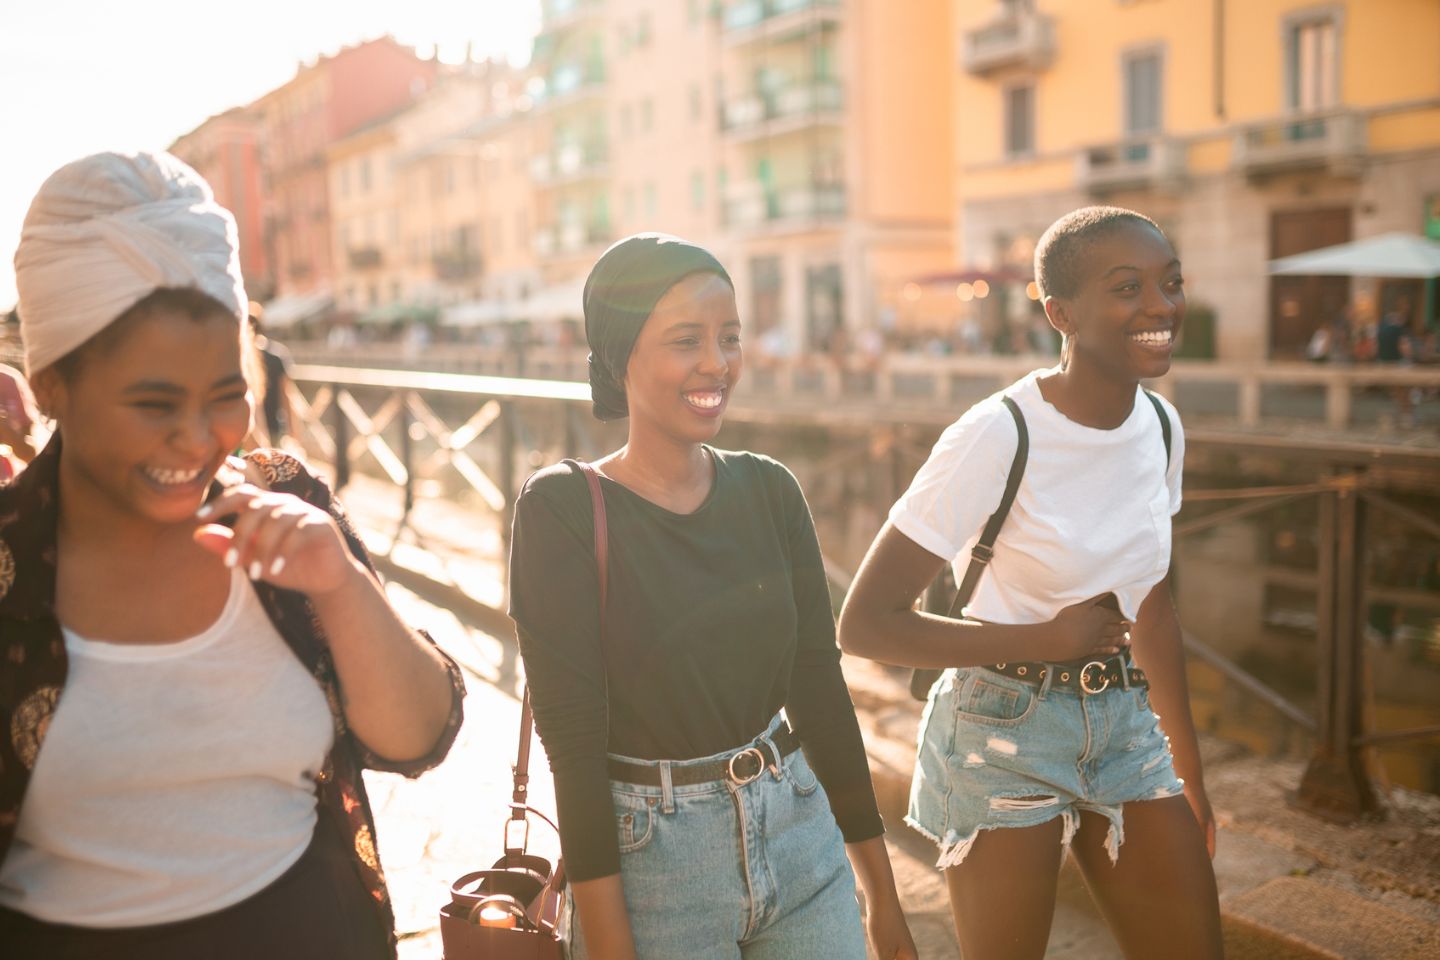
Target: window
point(642, 29)
point(765, 289)
point(1019, 121)
point(1143, 93)
point(1312, 64)
point(647, 115)
point(697, 191)
point(625, 125)
point(697, 104)
point(364, 174)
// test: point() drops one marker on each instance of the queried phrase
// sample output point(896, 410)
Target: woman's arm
point(396, 688)
point(879, 620)
point(604, 918)
point(889, 933)
point(1160, 652)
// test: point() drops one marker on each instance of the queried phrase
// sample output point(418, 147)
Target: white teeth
point(170, 477)
point(1154, 338)
point(707, 401)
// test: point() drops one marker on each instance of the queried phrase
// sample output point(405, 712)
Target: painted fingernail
point(255, 570)
point(277, 566)
point(205, 511)
point(232, 556)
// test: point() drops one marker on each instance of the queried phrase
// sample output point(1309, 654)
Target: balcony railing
point(570, 164)
point(1333, 140)
point(366, 258)
point(572, 81)
point(1016, 39)
point(1153, 163)
point(567, 239)
point(752, 204)
point(455, 265)
point(792, 106)
point(743, 20)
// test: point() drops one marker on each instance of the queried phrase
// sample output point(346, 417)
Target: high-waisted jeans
point(720, 871)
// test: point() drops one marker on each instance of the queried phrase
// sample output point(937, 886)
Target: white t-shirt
point(176, 779)
point(1092, 514)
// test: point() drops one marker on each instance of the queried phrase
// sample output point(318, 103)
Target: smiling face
point(1129, 305)
point(148, 420)
point(686, 360)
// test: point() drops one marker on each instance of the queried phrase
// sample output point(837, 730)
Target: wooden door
point(1299, 305)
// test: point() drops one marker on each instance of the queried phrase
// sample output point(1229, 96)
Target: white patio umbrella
point(1388, 255)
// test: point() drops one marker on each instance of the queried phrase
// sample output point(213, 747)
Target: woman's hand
point(889, 933)
point(278, 538)
point(1200, 806)
point(1092, 628)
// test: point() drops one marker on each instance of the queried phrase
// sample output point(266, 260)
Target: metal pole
point(1335, 785)
point(505, 480)
point(407, 460)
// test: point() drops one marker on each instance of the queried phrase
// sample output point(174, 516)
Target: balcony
point(791, 108)
point(560, 15)
point(1019, 38)
point(746, 21)
point(753, 205)
point(569, 239)
point(570, 163)
point(365, 258)
point(1154, 163)
point(1333, 141)
point(571, 83)
point(452, 266)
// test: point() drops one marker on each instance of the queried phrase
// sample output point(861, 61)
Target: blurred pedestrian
point(665, 717)
point(182, 774)
point(276, 382)
point(1395, 345)
point(18, 422)
point(1040, 729)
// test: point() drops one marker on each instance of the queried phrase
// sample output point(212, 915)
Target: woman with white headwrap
point(179, 768)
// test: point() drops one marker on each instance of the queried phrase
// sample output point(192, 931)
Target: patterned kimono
point(33, 662)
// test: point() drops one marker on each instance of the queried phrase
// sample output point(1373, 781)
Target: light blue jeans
point(720, 871)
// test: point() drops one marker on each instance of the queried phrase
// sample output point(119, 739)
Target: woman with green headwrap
point(696, 818)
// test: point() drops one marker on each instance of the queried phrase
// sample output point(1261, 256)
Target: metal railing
point(452, 434)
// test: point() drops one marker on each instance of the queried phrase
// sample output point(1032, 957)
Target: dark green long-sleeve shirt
point(715, 620)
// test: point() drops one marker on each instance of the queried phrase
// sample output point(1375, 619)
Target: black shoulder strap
point(1164, 422)
point(985, 546)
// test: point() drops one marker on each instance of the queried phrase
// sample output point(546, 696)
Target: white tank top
point(176, 779)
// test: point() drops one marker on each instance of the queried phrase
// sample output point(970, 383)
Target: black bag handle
point(923, 678)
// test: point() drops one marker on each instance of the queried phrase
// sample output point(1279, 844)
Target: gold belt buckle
point(1085, 677)
point(741, 779)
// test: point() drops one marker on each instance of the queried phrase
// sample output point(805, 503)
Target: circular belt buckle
point(740, 779)
point(1085, 677)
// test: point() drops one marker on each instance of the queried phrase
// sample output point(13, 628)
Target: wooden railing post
point(1336, 785)
point(341, 429)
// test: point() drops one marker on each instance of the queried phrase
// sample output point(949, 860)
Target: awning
point(475, 313)
point(1398, 255)
point(399, 313)
point(297, 308)
point(560, 302)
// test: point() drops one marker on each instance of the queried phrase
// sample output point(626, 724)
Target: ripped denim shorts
point(998, 752)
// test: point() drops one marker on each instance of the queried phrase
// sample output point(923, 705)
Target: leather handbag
point(508, 912)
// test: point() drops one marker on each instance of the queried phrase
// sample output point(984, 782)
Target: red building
point(225, 150)
point(323, 102)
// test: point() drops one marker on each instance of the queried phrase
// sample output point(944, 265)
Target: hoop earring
point(1067, 347)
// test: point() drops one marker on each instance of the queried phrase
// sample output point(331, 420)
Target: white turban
point(105, 232)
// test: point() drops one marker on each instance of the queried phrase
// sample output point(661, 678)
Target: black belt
point(1087, 677)
point(740, 768)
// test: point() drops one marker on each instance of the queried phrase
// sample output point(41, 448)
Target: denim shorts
point(718, 871)
point(998, 752)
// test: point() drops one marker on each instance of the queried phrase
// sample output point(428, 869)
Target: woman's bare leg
point(1003, 895)
point(1159, 898)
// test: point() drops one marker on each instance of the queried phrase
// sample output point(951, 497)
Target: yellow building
point(1249, 130)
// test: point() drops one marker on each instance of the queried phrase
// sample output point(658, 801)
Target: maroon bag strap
point(519, 806)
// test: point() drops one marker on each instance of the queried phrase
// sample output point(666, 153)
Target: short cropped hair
point(1057, 255)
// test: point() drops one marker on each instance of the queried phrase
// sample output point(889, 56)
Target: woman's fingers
point(266, 554)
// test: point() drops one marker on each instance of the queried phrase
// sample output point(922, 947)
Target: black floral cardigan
point(33, 663)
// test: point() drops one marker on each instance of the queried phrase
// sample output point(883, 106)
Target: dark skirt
point(317, 909)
